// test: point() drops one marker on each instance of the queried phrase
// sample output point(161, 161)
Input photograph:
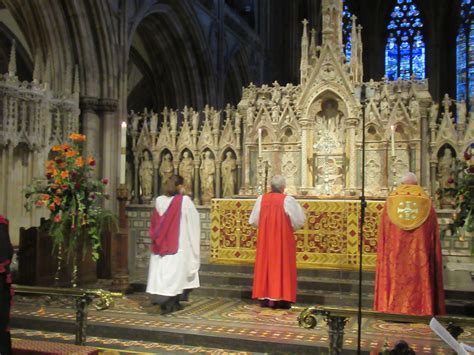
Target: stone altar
point(329, 238)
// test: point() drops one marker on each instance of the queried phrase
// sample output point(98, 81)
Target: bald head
point(409, 179)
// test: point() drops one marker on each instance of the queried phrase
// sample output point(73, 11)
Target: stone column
point(304, 155)
point(136, 197)
point(351, 185)
point(91, 126)
point(119, 245)
point(196, 182)
point(110, 163)
point(156, 182)
point(217, 188)
point(239, 175)
point(433, 166)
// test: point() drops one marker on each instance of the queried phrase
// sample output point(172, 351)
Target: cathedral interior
point(342, 97)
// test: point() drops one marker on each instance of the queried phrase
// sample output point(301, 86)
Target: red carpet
point(21, 346)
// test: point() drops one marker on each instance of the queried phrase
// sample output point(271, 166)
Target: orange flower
point(65, 146)
point(39, 203)
point(57, 148)
point(77, 137)
point(79, 162)
point(57, 200)
point(52, 207)
point(44, 197)
point(71, 153)
point(55, 172)
point(64, 174)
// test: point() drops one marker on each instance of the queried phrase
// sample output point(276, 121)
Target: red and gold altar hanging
point(329, 238)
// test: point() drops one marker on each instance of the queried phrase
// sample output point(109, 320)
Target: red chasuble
point(409, 275)
point(275, 264)
point(164, 230)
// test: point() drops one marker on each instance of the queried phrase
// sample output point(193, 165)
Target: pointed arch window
point(465, 53)
point(347, 30)
point(405, 48)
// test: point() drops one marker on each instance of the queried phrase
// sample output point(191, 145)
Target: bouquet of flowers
point(465, 193)
point(72, 194)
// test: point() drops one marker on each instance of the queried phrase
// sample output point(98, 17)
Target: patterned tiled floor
point(117, 346)
point(236, 319)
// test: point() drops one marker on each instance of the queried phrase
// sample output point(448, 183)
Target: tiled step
point(210, 278)
point(303, 297)
point(325, 273)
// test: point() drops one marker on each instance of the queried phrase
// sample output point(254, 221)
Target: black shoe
point(167, 307)
point(176, 305)
point(184, 297)
point(284, 305)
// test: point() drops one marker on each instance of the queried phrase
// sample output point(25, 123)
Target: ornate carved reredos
point(312, 132)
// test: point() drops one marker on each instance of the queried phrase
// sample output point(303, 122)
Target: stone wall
point(457, 253)
point(139, 217)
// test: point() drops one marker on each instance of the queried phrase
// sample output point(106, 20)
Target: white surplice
point(292, 209)
point(169, 275)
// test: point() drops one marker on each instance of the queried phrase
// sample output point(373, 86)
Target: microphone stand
point(363, 205)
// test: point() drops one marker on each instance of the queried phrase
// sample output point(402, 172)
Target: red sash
point(164, 230)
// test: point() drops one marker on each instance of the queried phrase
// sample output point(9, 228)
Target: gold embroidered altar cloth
point(329, 238)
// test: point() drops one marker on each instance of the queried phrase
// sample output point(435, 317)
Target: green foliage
point(465, 194)
point(73, 196)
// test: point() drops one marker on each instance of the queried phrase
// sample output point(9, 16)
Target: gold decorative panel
point(329, 238)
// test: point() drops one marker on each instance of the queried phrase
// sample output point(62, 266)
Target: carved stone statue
point(414, 108)
point(228, 168)
point(332, 172)
point(461, 111)
point(146, 176)
point(195, 121)
point(238, 118)
point(434, 112)
point(186, 170)
point(207, 174)
point(446, 169)
point(135, 121)
point(216, 121)
point(154, 122)
point(173, 120)
point(166, 171)
point(275, 113)
point(276, 93)
point(384, 109)
point(250, 114)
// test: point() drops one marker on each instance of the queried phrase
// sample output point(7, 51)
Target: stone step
point(325, 273)
point(186, 337)
point(210, 278)
point(308, 297)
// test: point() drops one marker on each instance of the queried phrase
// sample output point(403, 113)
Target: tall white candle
point(123, 152)
point(393, 139)
point(259, 142)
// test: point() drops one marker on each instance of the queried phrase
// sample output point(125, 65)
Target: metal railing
point(337, 317)
point(84, 298)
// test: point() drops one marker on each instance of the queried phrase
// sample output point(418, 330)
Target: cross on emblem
point(407, 210)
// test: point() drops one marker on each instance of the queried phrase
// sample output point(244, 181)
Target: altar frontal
point(329, 238)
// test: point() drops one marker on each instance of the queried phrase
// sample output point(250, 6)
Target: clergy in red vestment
point(6, 292)
point(276, 215)
point(409, 275)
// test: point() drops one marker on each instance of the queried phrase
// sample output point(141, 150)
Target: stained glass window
point(465, 53)
point(405, 49)
point(347, 30)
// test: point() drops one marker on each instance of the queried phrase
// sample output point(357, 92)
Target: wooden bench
point(337, 317)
